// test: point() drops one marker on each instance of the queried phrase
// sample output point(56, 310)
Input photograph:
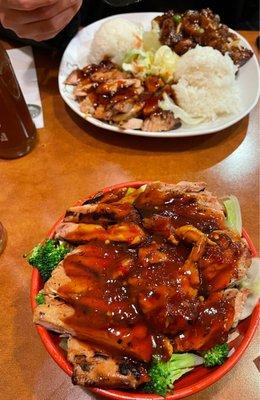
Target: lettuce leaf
point(233, 214)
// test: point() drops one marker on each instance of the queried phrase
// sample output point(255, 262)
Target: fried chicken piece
point(184, 31)
point(183, 45)
point(240, 56)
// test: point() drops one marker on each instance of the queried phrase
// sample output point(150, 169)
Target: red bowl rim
point(203, 383)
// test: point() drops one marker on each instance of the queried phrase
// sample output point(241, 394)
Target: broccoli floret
point(216, 356)
point(46, 256)
point(163, 374)
point(40, 298)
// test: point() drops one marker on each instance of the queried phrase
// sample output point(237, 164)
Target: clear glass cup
point(17, 130)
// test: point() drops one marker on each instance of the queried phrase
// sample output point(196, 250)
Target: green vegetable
point(130, 191)
point(164, 374)
point(233, 214)
point(46, 256)
point(216, 356)
point(177, 18)
point(162, 62)
point(132, 194)
point(64, 344)
point(138, 62)
point(40, 298)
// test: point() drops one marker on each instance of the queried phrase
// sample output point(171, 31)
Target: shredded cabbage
point(252, 283)
point(151, 39)
point(168, 104)
point(138, 62)
point(142, 63)
point(164, 63)
point(233, 214)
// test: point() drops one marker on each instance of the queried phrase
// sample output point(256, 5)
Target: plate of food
point(146, 289)
point(160, 75)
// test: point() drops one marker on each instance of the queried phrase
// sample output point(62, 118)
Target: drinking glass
point(17, 130)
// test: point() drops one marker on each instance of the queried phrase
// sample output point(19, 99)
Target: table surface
point(72, 159)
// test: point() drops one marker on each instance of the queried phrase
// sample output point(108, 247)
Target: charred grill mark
point(126, 368)
point(98, 354)
point(95, 199)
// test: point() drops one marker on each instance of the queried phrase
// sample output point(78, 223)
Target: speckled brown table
point(72, 159)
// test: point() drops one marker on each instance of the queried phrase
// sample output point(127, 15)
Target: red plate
point(200, 378)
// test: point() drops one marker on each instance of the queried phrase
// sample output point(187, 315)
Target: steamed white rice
point(206, 86)
point(114, 38)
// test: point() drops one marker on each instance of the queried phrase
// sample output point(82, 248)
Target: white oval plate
point(77, 53)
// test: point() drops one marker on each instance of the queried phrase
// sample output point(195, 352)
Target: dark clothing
point(238, 14)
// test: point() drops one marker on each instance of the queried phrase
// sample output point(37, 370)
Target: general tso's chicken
point(96, 367)
point(184, 31)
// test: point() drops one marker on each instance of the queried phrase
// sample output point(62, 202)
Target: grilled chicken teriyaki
point(184, 31)
point(112, 95)
point(152, 272)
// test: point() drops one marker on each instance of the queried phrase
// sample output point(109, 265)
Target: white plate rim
point(197, 131)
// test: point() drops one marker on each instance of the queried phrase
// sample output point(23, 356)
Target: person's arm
point(37, 19)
